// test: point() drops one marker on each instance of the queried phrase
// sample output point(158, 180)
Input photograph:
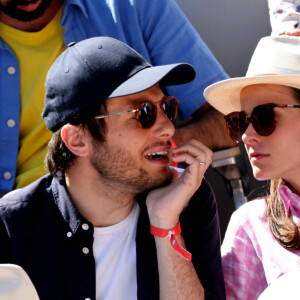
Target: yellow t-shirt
point(36, 51)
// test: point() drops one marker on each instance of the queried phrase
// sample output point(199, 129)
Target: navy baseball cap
point(100, 68)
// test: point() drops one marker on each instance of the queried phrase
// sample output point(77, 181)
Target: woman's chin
point(260, 175)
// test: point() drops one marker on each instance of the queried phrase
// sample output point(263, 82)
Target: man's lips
point(160, 153)
point(29, 7)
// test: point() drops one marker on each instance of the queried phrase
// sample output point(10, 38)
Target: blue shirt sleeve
point(9, 116)
point(158, 30)
point(170, 38)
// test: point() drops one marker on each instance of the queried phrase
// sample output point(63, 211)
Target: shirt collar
point(65, 205)
point(69, 212)
point(291, 203)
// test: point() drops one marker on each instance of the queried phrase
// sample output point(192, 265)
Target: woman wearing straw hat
point(262, 109)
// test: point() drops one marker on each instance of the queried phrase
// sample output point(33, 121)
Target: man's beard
point(119, 169)
point(11, 10)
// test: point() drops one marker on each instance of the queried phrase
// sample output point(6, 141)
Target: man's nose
point(163, 126)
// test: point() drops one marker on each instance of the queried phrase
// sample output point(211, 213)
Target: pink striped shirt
point(252, 258)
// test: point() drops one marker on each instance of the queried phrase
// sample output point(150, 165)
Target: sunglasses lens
point(170, 108)
point(147, 115)
point(236, 125)
point(263, 119)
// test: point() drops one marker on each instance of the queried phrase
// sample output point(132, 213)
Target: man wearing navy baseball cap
point(113, 220)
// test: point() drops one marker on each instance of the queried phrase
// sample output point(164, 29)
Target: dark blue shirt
point(43, 232)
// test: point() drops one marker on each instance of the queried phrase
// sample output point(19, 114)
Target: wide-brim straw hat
point(276, 60)
point(15, 284)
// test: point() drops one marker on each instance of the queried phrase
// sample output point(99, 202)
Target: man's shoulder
point(202, 207)
point(26, 195)
point(205, 193)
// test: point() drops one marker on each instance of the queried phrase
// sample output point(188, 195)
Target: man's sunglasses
point(146, 112)
point(262, 118)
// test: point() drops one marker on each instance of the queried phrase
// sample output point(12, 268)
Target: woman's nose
point(250, 135)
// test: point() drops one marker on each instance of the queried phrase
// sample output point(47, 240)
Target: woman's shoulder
point(250, 213)
point(256, 206)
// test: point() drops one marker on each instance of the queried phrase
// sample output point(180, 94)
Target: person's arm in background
point(208, 126)
point(170, 38)
point(284, 17)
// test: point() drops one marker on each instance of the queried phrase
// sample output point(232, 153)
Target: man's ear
point(76, 139)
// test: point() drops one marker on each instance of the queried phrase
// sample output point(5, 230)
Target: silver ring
point(202, 163)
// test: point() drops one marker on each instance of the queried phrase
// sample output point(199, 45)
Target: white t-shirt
point(114, 251)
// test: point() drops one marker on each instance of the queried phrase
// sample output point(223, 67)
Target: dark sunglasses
point(262, 119)
point(146, 112)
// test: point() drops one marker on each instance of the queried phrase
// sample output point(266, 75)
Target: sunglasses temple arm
point(117, 113)
point(293, 106)
point(287, 105)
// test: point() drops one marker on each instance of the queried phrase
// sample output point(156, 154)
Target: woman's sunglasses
point(146, 112)
point(262, 118)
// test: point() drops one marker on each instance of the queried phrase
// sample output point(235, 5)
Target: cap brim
point(225, 95)
point(165, 75)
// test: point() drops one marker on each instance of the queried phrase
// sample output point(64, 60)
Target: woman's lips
point(257, 156)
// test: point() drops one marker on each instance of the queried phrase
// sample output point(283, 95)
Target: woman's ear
point(76, 139)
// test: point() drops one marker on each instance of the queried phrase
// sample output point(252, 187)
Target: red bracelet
point(159, 232)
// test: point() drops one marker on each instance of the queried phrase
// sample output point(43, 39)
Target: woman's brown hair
point(284, 229)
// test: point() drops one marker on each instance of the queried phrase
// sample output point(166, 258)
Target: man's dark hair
point(59, 157)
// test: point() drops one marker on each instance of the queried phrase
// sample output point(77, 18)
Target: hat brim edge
point(225, 95)
point(172, 74)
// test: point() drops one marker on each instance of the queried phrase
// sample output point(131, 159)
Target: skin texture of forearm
point(177, 277)
point(208, 126)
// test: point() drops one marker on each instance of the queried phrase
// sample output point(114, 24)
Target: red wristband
point(159, 232)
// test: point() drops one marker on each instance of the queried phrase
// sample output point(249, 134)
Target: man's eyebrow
point(135, 102)
point(141, 100)
point(132, 104)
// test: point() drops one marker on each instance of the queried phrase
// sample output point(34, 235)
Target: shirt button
point(85, 226)
point(11, 70)
point(69, 234)
point(7, 175)
point(11, 123)
point(85, 250)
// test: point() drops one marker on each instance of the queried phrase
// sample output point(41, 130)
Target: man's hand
point(177, 276)
point(165, 204)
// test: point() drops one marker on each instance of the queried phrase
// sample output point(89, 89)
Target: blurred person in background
point(284, 17)
point(33, 34)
